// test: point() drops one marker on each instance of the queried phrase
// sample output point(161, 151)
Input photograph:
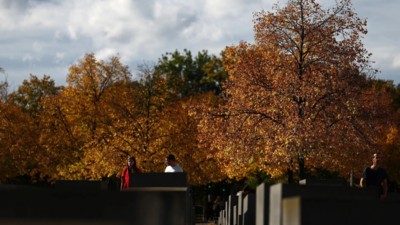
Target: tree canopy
point(296, 99)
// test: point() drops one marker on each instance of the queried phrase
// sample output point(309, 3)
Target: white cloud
point(27, 57)
point(60, 57)
point(56, 33)
point(396, 62)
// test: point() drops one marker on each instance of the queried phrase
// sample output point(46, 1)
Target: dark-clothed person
point(209, 210)
point(218, 206)
point(375, 176)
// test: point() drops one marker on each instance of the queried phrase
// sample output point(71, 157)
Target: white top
point(174, 169)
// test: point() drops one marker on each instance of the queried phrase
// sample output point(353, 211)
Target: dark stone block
point(139, 180)
point(262, 204)
point(81, 185)
point(321, 182)
point(338, 210)
point(94, 207)
point(280, 191)
point(392, 196)
point(240, 208)
point(233, 200)
point(249, 209)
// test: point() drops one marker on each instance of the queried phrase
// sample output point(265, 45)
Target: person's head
point(376, 158)
point(131, 162)
point(170, 160)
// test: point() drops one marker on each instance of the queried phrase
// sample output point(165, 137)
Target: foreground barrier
point(165, 199)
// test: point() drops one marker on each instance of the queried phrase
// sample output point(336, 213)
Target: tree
point(29, 95)
point(138, 126)
point(149, 122)
point(216, 73)
point(78, 115)
point(182, 141)
point(3, 88)
point(296, 98)
point(188, 76)
point(19, 149)
point(17, 152)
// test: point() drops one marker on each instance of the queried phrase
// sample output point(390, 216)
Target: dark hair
point(170, 157)
point(246, 188)
point(134, 162)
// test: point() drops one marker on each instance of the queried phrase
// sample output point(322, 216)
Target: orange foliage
point(297, 98)
point(87, 129)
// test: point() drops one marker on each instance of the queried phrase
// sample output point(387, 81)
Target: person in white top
point(172, 167)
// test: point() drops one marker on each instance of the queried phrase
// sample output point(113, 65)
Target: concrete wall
point(240, 208)
point(249, 209)
point(158, 180)
point(338, 210)
point(68, 207)
point(326, 182)
point(262, 204)
point(153, 199)
point(233, 200)
point(81, 185)
point(281, 191)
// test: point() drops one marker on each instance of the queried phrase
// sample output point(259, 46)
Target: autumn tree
point(18, 144)
point(149, 122)
point(391, 139)
point(30, 94)
point(216, 73)
point(182, 141)
point(296, 99)
point(138, 125)
point(18, 139)
point(77, 116)
point(391, 150)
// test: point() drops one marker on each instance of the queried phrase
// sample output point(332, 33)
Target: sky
point(47, 36)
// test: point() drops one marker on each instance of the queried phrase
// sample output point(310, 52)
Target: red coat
point(125, 177)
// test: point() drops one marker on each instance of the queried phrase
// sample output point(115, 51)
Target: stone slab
point(235, 215)
point(83, 185)
point(146, 189)
point(158, 180)
point(226, 212)
point(327, 182)
point(249, 209)
point(224, 218)
point(262, 204)
point(338, 210)
point(281, 191)
point(94, 207)
point(240, 208)
point(233, 200)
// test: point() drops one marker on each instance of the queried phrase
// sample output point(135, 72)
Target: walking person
point(130, 168)
point(218, 206)
point(209, 210)
point(172, 167)
point(375, 176)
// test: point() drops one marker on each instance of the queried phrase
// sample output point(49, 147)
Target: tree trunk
point(289, 176)
point(302, 171)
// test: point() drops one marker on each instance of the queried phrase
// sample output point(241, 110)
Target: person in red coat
point(130, 168)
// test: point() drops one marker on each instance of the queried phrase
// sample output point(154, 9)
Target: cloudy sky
point(47, 36)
